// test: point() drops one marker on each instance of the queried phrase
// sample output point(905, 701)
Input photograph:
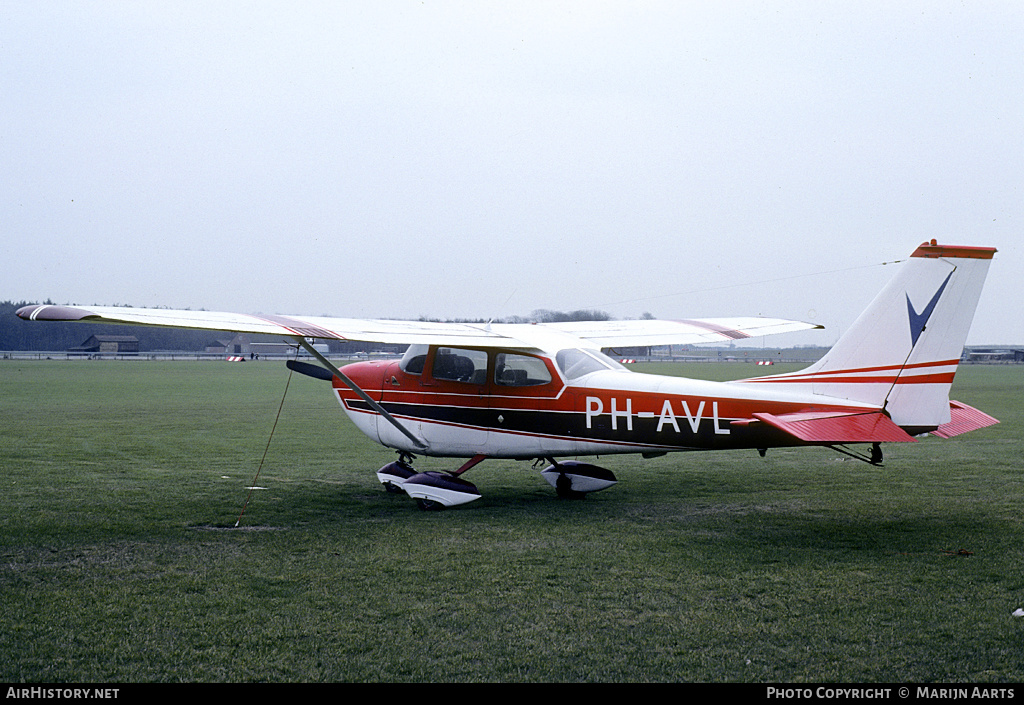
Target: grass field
point(122, 483)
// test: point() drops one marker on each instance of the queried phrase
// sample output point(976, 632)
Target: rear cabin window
point(460, 365)
point(575, 363)
point(511, 370)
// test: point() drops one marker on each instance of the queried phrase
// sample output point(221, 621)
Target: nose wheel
point(393, 475)
point(432, 490)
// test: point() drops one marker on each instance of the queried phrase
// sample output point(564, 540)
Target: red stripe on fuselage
point(863, 375)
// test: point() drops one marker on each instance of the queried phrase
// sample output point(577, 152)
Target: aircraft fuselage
point(601, 412)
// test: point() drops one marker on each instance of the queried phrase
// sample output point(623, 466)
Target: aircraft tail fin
point(902, 352)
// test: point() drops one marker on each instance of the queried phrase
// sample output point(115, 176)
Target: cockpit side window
point(512, 370)
point(460, 365)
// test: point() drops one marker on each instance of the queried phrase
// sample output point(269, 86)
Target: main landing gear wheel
point(575, 480)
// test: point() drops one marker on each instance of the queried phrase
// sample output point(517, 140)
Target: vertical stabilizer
point(902, 352)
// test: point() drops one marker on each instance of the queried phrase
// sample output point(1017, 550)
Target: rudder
point(902, 352)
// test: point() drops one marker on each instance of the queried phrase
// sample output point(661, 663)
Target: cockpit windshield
point(576, 362)
point(414, 359)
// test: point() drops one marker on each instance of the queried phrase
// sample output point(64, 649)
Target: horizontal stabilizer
point(828, 427)
point(964, 418)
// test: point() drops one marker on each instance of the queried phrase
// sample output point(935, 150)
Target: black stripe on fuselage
point(573, 426)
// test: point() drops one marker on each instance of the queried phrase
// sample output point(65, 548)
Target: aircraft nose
point(368, 376)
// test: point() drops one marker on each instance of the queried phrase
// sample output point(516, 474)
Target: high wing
point(542, 336)
point(611, 334)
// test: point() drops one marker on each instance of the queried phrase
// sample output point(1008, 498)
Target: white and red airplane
point(547, 392)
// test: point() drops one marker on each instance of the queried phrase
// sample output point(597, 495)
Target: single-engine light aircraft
point(548, 392)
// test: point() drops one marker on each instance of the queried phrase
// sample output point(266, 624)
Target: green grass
point(119, 561)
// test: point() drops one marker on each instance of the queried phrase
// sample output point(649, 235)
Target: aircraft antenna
point(751, 283)
point(252, 486)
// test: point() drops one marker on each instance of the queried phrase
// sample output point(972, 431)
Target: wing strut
point(362, 395)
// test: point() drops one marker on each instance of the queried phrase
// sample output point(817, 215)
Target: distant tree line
point(540, 315)
point(543, 315)
point(16, 334)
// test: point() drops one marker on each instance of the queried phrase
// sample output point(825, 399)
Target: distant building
point(241, 344)
point(991, 354)
point(108, 345)
point(218, 346)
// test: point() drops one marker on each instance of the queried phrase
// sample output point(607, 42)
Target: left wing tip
point(50, 312)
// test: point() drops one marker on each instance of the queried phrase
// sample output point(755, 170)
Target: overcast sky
point(486, 159)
